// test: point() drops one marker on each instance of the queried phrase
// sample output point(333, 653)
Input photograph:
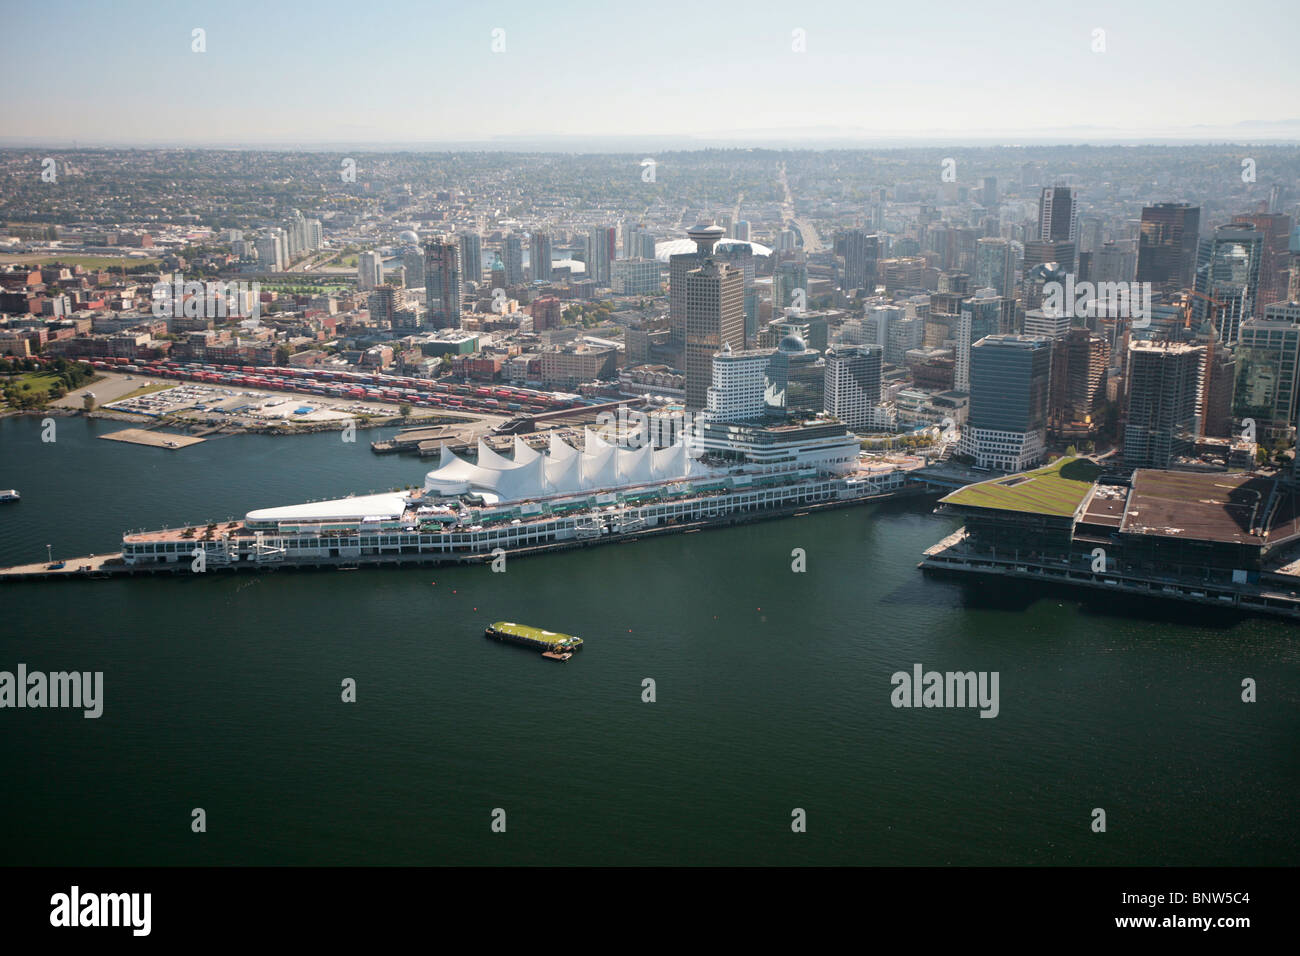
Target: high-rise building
point(852, 387)
point(860, 253)
point(636, 277)
point(1007, 426)
point(1058, 215)
point(383, 303)
point(370, 270)
point(1047, 251)
point(995, 266)
point(513, 259)
point(1081, 391)
point(471, 256)
point(737, 391)
point(602, 248)
point(1227, 278)
point(1167, 246)
point(715, 316)
point(796, 380)
point(443, 286)
point(705, 236)
point(1047, 324)
point(741, 230)
point(979, 316)
point(1160, 418)
point(1267, 354)
point(270, 251)
point(539, 256)
point(1274, 273)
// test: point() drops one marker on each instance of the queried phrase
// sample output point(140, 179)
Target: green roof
point(1056, 489)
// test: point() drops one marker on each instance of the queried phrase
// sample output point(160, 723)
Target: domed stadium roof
point(408, 235)
point(674, 247)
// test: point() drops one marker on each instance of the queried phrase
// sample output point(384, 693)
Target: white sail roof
point(563, 470)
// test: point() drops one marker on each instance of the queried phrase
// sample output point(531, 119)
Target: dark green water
point(223, 692)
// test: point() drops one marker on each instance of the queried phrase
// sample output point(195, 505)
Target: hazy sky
point(386, 72)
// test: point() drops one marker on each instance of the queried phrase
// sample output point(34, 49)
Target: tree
point(404, 410)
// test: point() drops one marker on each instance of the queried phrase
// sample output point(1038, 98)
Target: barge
point(552, 644)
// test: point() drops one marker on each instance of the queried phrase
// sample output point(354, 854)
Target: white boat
point(9, 495)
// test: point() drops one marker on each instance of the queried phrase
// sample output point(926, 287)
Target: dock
point(140, 436)
point(1272, 596)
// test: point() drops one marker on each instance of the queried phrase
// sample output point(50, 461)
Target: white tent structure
point(563, 470)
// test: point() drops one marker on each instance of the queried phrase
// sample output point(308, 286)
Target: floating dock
point(552, 644)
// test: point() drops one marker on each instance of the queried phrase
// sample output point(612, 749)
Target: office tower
point(546, 312)
point(1275, 231)
point(636, 277)
point(860, 253)
point(715, 316)
point(953, 284)
point(1167, 246)
point(1045, 252)
point(513, 259)
point(741, 231)
point(1283, 312)
point(471, 256)
point(904, 335)
point(1090, 234)
point(1079, 391)
point(900, 272)
point(738, 386)
point(796, 380)
point(995, 266)
point(539, 256)
point(878, 321)
point(1007, 426)
point(789, 278)
point(1114, 262)
point(852, 389)
point(1227, 278)
point(601, 251)
point(370, 270)
point(738, 256)
point(1047, 323)
point(1058, 215)
point(979, 316)
point(1160, 411)
point(705, 236)
point(443, 288)
point(1267, 354)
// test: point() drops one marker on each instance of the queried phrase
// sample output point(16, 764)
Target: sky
point(99, 72)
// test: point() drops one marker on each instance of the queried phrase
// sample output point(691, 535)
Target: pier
point(1271, 596)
